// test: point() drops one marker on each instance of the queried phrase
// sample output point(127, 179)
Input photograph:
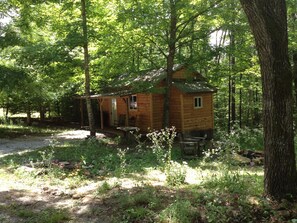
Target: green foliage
point(140, 142)
point(181, 211)
point(140, 206)
point(238, 139)
point(175, 173)
point(221, 193)
point(47, 157)
point(123, 162)
point(162, 144)
point(105, 187)
point(48, 215)
point(13, 131)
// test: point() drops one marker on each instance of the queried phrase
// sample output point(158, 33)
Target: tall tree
point(86, 69)
point(169, 29)
point(170, 59)
point(268, 21)
point(292, 21)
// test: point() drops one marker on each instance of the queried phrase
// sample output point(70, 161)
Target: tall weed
point(162, 144)
point(175, 173)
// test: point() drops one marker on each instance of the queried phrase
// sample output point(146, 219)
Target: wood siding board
point(182, 113)
point(151, 111)
point(198, 119)
point(157, 111)
point(143, 112)
point(175, 109)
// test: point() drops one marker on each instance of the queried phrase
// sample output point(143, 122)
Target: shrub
point(162, 143)
point(179, 212)
point(240, 138)
point(175, 173)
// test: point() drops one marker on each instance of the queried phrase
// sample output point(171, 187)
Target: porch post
point(126, 100)
point(81, 112)
point(100, 102)
point(182, 113)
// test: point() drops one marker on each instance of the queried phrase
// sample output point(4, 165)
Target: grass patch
point(14, 131)
point(27, 214)
point(48, 215)
point(132, 186)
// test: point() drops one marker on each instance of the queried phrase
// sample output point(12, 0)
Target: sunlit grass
point(13, 131)
point(134, 187)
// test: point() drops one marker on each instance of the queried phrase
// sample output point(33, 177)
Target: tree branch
point(184, 24)
point(139, 51)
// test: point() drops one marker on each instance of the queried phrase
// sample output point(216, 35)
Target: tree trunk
point(86, 69)
point(42, 112)
point(6, 112)
point(232, 87)
point(170, 62)
point(268, 21)
point(295, 79)
point(240, 103)
point(229, 105)
point(29, 120)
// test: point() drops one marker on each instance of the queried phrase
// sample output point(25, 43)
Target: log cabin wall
point(121, 106)
point(143, 113)
point(106, 111)
point(106, 105)
point(198, 118)
point(157, 111)
point(175, 109)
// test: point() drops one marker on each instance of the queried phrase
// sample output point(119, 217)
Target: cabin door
point(114, 116)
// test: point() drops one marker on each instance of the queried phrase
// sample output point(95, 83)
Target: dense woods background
point(42, 51)
point(51, 49)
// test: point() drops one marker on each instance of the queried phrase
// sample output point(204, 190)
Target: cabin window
point(133, 102)
point(197, 102)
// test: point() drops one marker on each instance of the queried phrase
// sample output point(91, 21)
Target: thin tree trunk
point(268, 21)
point(6, 112)
point(295, 79)
point(257, 116)
point(42, 112)
point(29, 120)
point(240, 103)
point(86, 69)
point(233, 87)
point(191, 44)
point(170, 62)
point(229, 105)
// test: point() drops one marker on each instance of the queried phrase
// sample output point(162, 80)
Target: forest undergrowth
point(108, 180)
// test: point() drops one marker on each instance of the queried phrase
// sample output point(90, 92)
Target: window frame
point(198, 102)
point(133, 99)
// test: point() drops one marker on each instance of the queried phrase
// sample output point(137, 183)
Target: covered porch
point(111, 111)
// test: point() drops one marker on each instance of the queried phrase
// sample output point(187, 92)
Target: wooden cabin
point(138, 101)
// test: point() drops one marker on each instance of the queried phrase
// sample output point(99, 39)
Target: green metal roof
point(147, 81)
point(194, 86)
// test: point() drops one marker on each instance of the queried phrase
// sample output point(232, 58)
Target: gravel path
point(27, 143)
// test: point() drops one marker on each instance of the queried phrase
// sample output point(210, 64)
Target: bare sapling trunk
point(170, 62)
point(87, 70)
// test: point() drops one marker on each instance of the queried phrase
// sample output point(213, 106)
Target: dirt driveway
point(27, 143)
